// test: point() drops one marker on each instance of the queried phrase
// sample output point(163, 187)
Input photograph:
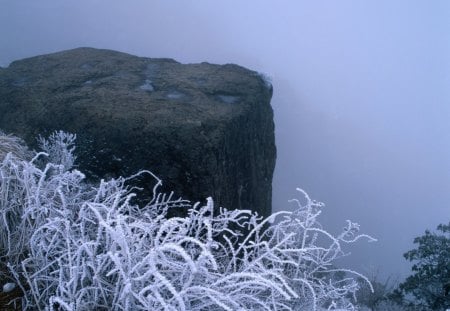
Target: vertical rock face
point(204, 129)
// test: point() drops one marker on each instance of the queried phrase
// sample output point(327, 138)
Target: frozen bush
point(13, 145)
point(60, 147)
point(71, 246)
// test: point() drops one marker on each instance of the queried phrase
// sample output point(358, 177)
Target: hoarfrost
point(74, 246)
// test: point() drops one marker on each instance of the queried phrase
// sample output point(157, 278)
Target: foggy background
point(361, 93)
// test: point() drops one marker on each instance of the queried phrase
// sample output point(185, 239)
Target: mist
point(361, 93)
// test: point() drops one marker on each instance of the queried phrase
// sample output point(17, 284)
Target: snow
point(228, 99)
point(147, 86)
point(175, 95)
point(8, 287)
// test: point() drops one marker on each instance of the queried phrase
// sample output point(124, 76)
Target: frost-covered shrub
point(59, 147)
point(13, 145)
point(74, 246)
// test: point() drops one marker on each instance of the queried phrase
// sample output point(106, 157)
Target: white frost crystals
point(267, 80)
point(8, 287)
point(73, 246)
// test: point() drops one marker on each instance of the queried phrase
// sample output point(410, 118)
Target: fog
point(361, 93)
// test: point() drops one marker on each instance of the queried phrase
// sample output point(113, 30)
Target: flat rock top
point(116, 86)
point(206, 130)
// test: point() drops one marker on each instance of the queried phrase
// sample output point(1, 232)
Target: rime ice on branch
point(74, 246)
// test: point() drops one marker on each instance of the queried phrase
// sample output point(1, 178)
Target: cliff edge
point(204, 129)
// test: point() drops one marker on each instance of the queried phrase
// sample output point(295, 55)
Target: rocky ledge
point(204, 129)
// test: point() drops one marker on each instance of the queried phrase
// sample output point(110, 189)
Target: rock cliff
point(204, 129)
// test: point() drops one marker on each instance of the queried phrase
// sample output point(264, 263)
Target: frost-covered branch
point(73, 246)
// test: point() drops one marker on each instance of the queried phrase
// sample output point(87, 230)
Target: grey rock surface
point(204, 129)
